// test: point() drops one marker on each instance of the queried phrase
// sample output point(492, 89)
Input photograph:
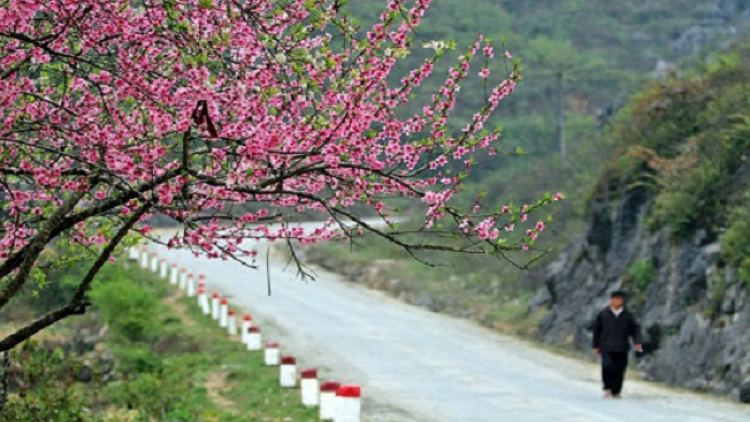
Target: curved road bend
point(417, 366)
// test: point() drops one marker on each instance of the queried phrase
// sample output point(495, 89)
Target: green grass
point(242, 387)
point(251, 387)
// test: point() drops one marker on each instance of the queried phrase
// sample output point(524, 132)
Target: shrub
point(45, 389)
point(640, 274)
point(131, 310)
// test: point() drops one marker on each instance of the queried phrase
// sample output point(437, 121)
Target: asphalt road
point(417, 366)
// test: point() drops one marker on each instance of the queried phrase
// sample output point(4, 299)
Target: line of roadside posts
point(336, 402)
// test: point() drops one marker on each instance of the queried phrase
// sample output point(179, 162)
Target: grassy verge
point(170, 364)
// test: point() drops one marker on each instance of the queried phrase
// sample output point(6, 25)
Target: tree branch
point(78, 303)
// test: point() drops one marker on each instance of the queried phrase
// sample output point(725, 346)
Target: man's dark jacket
point(611, 333)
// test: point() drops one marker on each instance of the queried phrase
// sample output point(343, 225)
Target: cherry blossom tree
point(233, 118)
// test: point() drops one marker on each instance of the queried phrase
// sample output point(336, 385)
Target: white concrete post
point(254, 340)
point(190, 285)
point(133, 253)
point(310, 387)
point(215, 306)
point(173, 275)
point(163, 268)
point(288, 372)
point(144, 258)
point(328, 400)
point(154, 262)
point(203, 301)
point(272, 354)
point(183, 279)
point(232, 323)
point(223, 313)
point(348, 404)
point(247, 322)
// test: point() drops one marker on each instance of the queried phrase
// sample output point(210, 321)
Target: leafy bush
point(45, 389)
point(736, 241)
point(687, 140)
point(131, 310)
point(640, 274)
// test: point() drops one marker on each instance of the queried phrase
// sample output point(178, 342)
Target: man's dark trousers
point(613, 370)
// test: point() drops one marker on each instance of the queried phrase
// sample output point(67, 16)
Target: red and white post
point(348, 404)
point(163, 268)
point(183, 279)
point(273, 354)
point(254, 341)
point(247, 322)
point(154, 262)
point(144, 258)
point(190, 285)
point(224, 313)
point(328, 399)
point(215, 306)
point(173, 274)
point(231, 323)
point(203, 300)
point(288, 372)
point(310, 387)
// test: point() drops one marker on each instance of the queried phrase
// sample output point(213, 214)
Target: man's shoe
point(607, 393)
point(616, 396)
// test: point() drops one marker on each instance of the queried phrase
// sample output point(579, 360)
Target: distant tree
point(117, 110)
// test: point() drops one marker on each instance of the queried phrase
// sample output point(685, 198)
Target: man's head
point(617, 299)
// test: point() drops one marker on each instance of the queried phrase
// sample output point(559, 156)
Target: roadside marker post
point(163, 269)
point(133, 253)
point(190, 285)
point(348, 404)
point(328, 400)
point(203, 301)
point(288, 372)
point(254, 340)
point(247, 322)
point(173, 275)
point(144, 259)
point(232, 323)
point(183, 279)
point(310, 387)
point(154, 262)
point(272, 354)
point(215, 306)
point(223, 313)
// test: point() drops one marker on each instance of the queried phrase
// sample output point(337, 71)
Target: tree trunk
point(4, 379)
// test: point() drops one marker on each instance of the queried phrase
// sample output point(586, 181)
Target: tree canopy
point(232, 118)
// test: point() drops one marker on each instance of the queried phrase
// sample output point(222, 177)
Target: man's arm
point(596, 344)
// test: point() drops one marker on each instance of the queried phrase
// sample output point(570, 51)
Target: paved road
point(417, 366)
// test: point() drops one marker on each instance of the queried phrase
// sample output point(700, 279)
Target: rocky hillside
point(695, 312)
point(669, 224)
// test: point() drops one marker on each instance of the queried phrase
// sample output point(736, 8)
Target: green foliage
point(736, 241)
point(640, 274)
point(687, 139)
point(46, 388)
point(130, 310)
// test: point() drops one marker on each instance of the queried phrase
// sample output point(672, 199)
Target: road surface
point(417, 366)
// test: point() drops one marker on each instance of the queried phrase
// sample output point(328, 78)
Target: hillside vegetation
point(683, 141)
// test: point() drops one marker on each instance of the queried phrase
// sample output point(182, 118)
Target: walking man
point(613, 329)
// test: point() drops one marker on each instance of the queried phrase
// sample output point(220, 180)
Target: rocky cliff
point(694, 310)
